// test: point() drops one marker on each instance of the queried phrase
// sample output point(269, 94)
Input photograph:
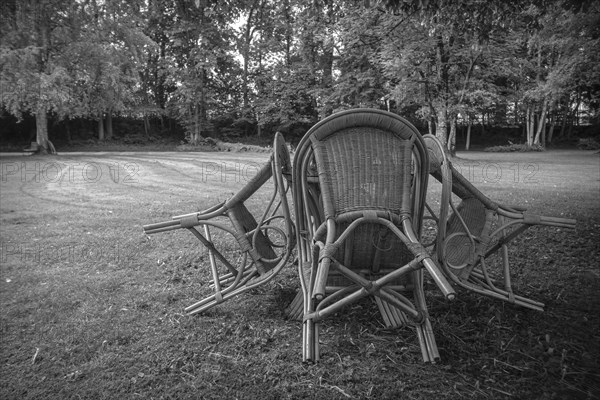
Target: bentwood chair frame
point(470, 234)
point(266, 243)
point(360, 179)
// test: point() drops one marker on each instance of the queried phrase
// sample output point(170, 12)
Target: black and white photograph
point(284, 199)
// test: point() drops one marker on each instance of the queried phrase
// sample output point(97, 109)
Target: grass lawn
point(92, 308)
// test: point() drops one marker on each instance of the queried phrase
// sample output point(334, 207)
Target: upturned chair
point(359, 184)
point(266, 242)
point(473, 237)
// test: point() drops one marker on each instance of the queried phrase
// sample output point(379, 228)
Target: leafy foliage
point(270, 64)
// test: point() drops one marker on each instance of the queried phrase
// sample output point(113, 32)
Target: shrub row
point(514, 147)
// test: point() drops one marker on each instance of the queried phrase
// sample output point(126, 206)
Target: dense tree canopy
point(261, 65)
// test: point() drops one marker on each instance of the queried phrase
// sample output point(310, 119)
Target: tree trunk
point(541, 124)
point(146, 126)
point(41, 125)
point(468, 141)
point(101, 128)
point(482, 124)
point(326, 61)
point(548, 122)
point(248, 33)
point(197, 129)
point(543, 131)
point(575, 119)
point(529, 122)
point(109, 125)
point(538, 79)
point(43, 43)
point(327, 80)
point(527, 125)
point(245, 97)
point(68, 131)
point(200, 105)
point(452, 137)
point(289, 31)
point(551, 130)
point(570, 130)
point(565, 117)
point(574, 116)
point(441, 131)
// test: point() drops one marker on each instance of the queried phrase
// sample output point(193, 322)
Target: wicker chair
point(470, 235)
point(360, 178)
point(265, 244)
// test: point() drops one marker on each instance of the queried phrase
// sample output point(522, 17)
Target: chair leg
point(310, 339)
point(427, 342)
point(425, 334)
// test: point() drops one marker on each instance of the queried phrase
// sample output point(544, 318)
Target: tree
point(201, 42)
point(567, 50)
point(31, 79)
point(359, 80)
point(277, 64)
point(285, 78)
point(73, 59)
point(161, 19)
point(433, 52)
